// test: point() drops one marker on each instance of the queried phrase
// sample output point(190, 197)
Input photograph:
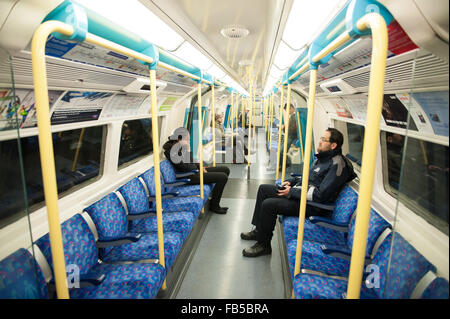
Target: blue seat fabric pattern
point(21, 277)
point(122, 281)
point(110, 218)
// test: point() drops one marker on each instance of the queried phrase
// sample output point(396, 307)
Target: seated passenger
point(292, 134)
point(238, 141)
point(327, 176)
point(177, 151)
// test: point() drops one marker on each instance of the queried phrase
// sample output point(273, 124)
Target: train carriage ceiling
point(250, 42)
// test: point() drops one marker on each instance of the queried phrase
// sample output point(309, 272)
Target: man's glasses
point(323, 139)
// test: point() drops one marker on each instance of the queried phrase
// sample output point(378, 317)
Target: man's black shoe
point(258, 249)
point(251, 235)
point(219, 210)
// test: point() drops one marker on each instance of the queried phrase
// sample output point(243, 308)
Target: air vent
point(234, 32)
point(427, 68)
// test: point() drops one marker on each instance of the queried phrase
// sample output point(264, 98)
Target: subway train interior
point(135, 137)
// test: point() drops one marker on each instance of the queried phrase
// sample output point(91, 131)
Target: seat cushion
point(21, 277)
point(145, 248)
point(179, 222)
point(141, 281)
point(313, 258)
point(312, 232)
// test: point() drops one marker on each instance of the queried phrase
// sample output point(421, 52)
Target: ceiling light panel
point(136, 18)
point(307, 18)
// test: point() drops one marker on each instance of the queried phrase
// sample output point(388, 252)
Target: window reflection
point(425, 182)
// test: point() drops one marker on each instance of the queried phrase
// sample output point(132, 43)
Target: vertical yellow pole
point(371, 138)
point(230, 116)
point(265, 113)
point(46, 151)
point(280, 120)
point(300, 137)
point(213, 125)
point(250, 123)
point(306, 163)
point(155, 141)
point(77, 152)
point(244, 105)
point(286, 132)
point(272, 102)
point(200, 139)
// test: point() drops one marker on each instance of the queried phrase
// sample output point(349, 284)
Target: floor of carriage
point(218, 269)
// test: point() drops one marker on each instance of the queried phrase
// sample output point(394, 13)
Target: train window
point(421, 182)
point(355, 135)
point(136, 140)
point(78, 161)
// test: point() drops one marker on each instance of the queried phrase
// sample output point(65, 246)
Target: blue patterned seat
point(137, 204)
point(437, 289)
point(21, 277)
point(343, 210)
point(406, 269)
point(320, 257)
point(111, 221)
point(142, 280)
point(192, 204)
point(169, 175)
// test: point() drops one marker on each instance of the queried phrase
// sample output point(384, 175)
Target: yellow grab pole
point(376, 23)
point(200, 139)
point(265, 113)
point(286, 132)
point(46, 149)
point(213, 125)
point(250, 123)
point(271, 118)
point(280, 119)
point(155, 141)
point(77, 152)
point(306, 163)
point(230, 116)
point(299, 129)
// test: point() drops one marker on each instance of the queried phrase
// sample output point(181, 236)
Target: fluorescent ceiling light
point(188, 53)
point(307, 18)
point(136, 18)
point(215, 72)
point(285, 56)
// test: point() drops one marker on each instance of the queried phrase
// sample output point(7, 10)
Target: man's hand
point(285, 191)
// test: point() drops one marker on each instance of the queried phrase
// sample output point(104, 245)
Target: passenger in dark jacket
point(177, 151)
point(327, 176)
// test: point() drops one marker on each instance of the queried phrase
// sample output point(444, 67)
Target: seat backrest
point(345, 205)
point(109, 216)
point(167, 171)
point(437, 289)
point(79, 245)
point(135, 197)
point(21, 277)
point(149, 179)
point(400, 270)
point(377, 225)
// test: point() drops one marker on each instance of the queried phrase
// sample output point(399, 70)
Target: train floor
point(218, 269)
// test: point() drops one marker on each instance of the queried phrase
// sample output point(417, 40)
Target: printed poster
point(341, 108)
point(24, 108)
point(76, 106)
point(123, 105)
point(417, 114)
point(395, 113)
point(168, 103)
point(435, 106)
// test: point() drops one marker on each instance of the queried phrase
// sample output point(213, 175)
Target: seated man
point(327, 176)
point(177, 151)
point(238, 141)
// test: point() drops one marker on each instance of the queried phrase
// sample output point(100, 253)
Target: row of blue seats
point(111, 248)
point(394, 269)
